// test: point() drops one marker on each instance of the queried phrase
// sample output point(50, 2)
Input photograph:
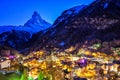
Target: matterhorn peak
point(37, 23)
point(36, 15)
point(36, 20)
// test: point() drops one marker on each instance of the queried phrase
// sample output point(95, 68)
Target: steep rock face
point(69, 13)
point(100, 20)
point(18, 37)
point(36, 23)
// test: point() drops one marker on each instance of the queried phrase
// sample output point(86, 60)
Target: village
point(62, 65)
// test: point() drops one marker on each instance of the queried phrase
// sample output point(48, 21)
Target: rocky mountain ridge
point(98, 21)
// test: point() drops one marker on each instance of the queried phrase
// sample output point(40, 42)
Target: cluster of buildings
point(97, 67)
point(84, 64)
point(4, 58)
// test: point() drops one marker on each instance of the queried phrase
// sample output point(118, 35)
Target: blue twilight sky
point(17, 12)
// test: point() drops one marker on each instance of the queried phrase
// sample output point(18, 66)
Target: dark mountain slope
point(98, 21)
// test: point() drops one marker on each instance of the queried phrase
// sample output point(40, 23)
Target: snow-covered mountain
point(98, 21)
point(35, 24)
point(69, 13)
point(17, 36)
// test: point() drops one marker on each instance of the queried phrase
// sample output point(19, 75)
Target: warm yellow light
point(87, 52)
point(44, 65)
point(94, 54)
point(65, 67)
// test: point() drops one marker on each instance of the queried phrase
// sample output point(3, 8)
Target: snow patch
point(11, 43)
point(69, 13)
point(106, 5)
point(52, 33)
point(62, 43)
